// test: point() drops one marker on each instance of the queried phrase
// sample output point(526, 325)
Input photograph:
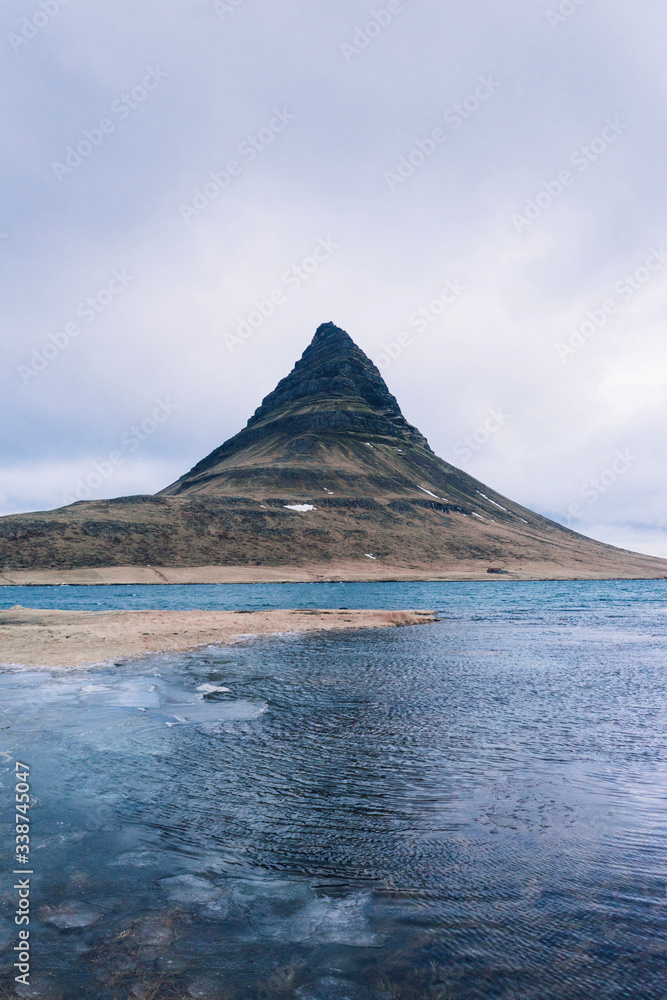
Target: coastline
point(639, 567)
point(36, 638)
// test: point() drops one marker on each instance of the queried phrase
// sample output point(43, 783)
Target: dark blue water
point(487, 599)
point(471, 809)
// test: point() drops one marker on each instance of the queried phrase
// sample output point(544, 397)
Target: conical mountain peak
point(331, 338)
point(332, 404)
point(333, 374)
point(327, 332)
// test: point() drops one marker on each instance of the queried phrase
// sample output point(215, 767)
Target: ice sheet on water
point(344, 921)
point(136, 859)
point(278, 911)
point(138, 692)
point(119, 734)
point(147, 690)
point(54, 841)
point(199, 892)
point(215, 711)
point(330, 988)
point(169, 701)
point(44, 689)
point(291, 912)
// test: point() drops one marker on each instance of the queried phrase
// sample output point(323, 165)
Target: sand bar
point(37, 638)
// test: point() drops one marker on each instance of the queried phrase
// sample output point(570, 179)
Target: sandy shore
point(638, 568)
point(36, 638)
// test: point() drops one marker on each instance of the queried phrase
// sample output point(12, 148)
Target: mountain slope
point(327, 480)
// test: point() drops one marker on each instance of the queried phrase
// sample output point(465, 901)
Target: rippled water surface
point(470, 809)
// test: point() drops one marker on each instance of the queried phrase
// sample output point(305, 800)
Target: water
point(489, 598)
point(469, 809)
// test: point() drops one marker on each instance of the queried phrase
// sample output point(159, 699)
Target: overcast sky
point(473, 190)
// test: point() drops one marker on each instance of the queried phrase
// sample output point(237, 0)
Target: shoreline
point(342, 572)
point(37, 638)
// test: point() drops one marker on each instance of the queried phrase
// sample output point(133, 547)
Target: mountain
point(330, 424)
point(326, 481)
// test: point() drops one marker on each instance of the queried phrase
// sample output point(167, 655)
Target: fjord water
point(469, 809)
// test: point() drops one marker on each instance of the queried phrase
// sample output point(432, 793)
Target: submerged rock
point(8, 932)
point(71, 915)
point(172, 963)
point(40, 988)
point(205, 988)
point(156, 930)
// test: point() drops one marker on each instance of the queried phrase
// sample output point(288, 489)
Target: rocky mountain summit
point(318, 421)
point(326, 481)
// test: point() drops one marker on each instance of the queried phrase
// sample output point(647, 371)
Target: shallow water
point(470, 809)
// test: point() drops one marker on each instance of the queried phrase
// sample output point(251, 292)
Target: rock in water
point(72, 915)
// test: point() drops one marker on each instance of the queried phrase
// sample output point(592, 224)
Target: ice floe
point(172, 703)
point(283, 912)
point(291, 913)
point(191, 890)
